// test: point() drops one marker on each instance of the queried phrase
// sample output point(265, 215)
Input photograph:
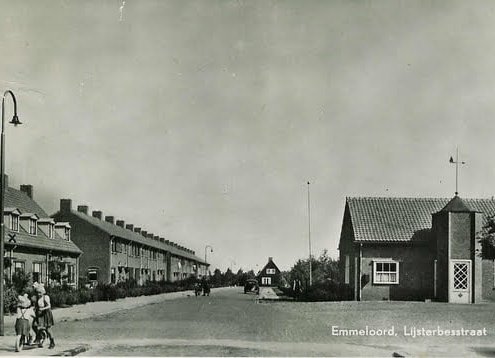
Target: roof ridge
point(414, 198)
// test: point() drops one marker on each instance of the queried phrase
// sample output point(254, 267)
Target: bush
point(327, 291)
point(84, 295)
point(21, 281)
point(10, 300)
point(106, 292)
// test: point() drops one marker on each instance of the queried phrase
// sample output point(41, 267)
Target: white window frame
point(377, 281)
point(22, 266)
point(40, 272)
point(14, 222)
point(51, 231)
point(33, 227)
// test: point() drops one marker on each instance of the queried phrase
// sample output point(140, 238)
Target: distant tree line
point(228, 278)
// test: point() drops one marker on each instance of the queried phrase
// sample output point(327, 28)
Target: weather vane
point(456, 162)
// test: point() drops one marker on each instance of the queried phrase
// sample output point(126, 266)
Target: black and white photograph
point(247, 178)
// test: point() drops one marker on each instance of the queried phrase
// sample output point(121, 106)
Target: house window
point(385, 272)
point(67, 234)
point(71, 274)
point(37, 272)
point(50, 231)
point(92, 275)
point(266, 280)
point(270, 271)
point(114, 245)
point(14, 222)
point(347, 269)
point(19, 266)
point(32, 226)
point(112, 275)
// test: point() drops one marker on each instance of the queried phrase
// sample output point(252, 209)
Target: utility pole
point(309, 238)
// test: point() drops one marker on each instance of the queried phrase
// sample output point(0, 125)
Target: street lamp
point(206, 248)
point(206, 262)
point(15, 121)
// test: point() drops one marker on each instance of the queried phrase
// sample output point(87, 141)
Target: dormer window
point(63, 230)
point(33, 228)
point(46, 227)
point(14, 222)
point(11, 215)
point(29, 222)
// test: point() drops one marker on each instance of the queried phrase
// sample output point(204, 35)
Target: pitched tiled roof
point(18, 199)
point(41, 241)
point(119, 231)
point(402, 219)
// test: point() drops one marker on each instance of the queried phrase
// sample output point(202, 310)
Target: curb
point(72, 352)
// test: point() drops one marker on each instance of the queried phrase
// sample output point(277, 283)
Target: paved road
point(228, 323)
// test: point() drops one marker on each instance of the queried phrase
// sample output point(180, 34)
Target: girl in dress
point(24, 321)
point(44, 312)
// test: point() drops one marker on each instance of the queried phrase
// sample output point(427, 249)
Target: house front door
point(460, 281)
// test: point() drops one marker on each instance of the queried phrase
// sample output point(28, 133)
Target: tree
point(217, 278)
point(322, 269)
point(487, 239)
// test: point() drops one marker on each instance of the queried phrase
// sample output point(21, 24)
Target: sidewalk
point(267, 293)
point(78, 312)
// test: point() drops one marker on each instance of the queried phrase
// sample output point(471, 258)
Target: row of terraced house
point(71, 243)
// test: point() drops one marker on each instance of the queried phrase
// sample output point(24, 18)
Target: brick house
point(35, 243)
point(416, 249)
point(115, 251)
point(269, 275)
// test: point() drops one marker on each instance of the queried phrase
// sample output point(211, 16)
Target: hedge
point(63, 296)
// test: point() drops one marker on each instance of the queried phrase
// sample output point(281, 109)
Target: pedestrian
point(206, 287)
point(24, 321)
point(44, 315)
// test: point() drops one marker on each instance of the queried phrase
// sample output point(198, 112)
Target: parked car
point(251, 285)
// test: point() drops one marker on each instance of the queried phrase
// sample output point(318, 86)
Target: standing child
point(44, 312)
point(24, 321)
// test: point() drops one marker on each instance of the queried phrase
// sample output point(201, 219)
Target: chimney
point(137, 230)
point(144, 233)
point(270, 259)
point(162, 239)
point(109, 219)
point(65, 205)
point(129, 227)
point(97, 214)
point(121, 223)
point(150, 235)
point(28, 189)
point(83, 209)
point(167, 242)
point(156, 237)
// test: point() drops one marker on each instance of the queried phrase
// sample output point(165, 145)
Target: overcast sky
point(202, 121)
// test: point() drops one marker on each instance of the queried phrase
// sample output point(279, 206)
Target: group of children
point(33, 314)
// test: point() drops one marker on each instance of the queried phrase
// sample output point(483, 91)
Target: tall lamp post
point(15, 121)
point(309, 239)
point(206, 250)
